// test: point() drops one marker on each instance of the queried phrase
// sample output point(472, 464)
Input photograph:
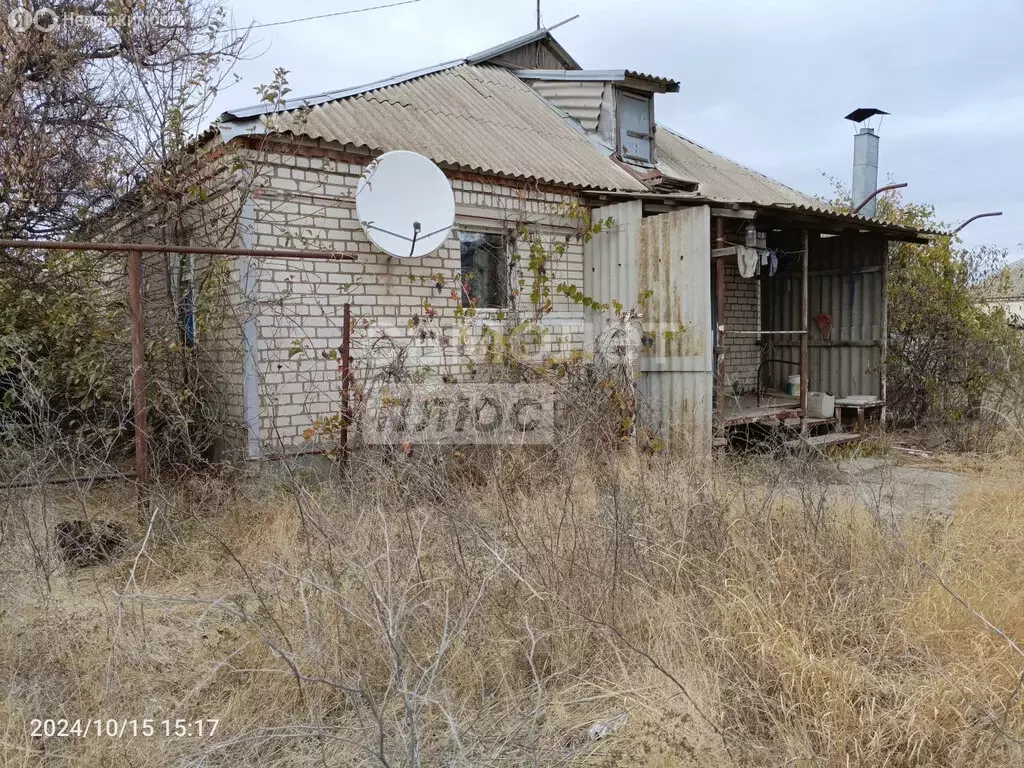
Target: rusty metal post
point(883, 389)
point(346, 373)
point(804, 327)
point(720, 322)
point(138, 372)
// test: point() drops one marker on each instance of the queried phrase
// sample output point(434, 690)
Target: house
point(1006, 290)
point(525, 134)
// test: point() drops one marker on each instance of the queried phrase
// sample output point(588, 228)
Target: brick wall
point(214, 367)
point(307, 202)
point(743, 313)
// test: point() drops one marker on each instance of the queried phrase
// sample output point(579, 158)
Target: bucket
point(821, 405)
point(793, 385)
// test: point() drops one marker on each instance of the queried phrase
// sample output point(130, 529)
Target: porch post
point(884, 352)
point(139, 407)
point(804, 345)
point(720, 320)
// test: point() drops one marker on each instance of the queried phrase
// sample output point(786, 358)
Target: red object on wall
point(824, 322)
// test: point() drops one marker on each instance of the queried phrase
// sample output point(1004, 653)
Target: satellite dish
point(405, 204)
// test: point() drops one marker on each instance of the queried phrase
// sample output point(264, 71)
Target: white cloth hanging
point(746, 260)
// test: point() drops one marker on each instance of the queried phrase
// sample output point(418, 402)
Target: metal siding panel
point(610, 259)
point(580, 100)
point(674, 264)
point(855, 303)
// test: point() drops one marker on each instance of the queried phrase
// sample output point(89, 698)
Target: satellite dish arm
point(415, 234)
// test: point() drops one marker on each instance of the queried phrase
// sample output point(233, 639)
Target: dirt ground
point(899, 490)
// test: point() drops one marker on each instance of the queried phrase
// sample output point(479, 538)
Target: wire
point(327, 15)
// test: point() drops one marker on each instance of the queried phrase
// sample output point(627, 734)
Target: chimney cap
point(861, 114)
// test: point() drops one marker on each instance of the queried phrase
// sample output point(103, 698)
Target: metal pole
point(720, 321)
point(804, 346)
point(200, 250)
point(976, 217)
point(138, 372)
point(875, 194)
point(884, 352)
point(346, 372)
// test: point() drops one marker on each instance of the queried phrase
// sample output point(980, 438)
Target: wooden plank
point(823, 441)
point(720, 318)
point(827, 343)
point(805, 311)
point(844, 271)
point(733, 213)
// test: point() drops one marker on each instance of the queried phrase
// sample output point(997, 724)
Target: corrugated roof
point(477, 117)
point(484, 118)
point(720, 178)
point(913, 233)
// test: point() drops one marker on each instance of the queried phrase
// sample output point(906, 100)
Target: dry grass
point(490, 610)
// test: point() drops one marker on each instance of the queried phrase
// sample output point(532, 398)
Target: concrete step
point(823, 441)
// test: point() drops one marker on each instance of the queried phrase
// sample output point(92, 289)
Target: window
point(636, 133)
point(484, 269)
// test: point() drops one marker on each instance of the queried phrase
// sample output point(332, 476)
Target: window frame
point(620, 95)
point(503, 257)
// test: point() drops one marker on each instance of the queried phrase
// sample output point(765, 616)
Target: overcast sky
point(764, 83)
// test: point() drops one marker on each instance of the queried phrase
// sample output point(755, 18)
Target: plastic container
point(793, 385)
point(820, 405)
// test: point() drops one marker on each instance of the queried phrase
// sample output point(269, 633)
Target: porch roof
point(817, 217)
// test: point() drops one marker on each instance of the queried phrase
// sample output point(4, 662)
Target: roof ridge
point(326, 97)
point(314, 100)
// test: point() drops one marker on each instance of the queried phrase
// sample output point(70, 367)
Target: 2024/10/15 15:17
point(123, 727)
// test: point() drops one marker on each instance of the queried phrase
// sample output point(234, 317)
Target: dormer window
point(616, 106)
point(635, 127)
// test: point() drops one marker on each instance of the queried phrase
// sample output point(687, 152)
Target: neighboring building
point(1006, 290)
point(524, 133)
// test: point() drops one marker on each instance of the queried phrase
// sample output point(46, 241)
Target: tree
point(99, 102)
point(94, 96)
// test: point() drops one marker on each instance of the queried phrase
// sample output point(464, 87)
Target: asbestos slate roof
point(484, 118)
point(471, 115)
point(475, 117)
point(720, 178)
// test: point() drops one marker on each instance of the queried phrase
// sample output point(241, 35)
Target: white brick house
point(524, 134)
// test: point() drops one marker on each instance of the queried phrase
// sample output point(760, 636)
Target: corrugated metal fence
point(669, 258)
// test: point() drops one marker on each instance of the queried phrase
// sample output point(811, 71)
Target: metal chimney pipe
point(865, 169)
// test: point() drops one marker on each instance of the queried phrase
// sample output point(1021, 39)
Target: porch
point(721, 343)
point(810, 319)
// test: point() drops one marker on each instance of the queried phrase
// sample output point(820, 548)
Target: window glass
point(635, 136)
point(484, 269)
